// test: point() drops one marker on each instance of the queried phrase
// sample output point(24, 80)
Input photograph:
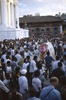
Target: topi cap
point(23, 71)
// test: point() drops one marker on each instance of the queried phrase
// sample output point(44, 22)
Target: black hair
point(2, 60)
point(39, 65)
point(17, 70)
point(7, 57)
point(48, 53)
point(13, 58)
point(35, 58)
point(57, 57)
point(28, 57)
point(36, 73)
point(8, 63)
point(59, 64)
point(16, 51)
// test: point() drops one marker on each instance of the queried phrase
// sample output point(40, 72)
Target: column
point(11, 14)
point(9, 17)
point(13, 24)
point(61, 30)
point(3, 8)
point(14, 16)
point(7, 14)
point(0, 13)
point(17, 15)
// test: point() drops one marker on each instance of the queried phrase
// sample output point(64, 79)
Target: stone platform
point(13, 33)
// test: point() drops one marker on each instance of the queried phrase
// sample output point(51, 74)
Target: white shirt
point(36, 52)
point(33, 46)
point(25, 65)
point(6, 82)
point(8, 69)
point(36, 82)
point(18, 56)
point(55, 65)
point(26, 54)
point(3, 87)
point(41, 76)
point(12, 52)
point(33, 66)
point(21, 49)
point(31, 54)
point(23, 83)
point(4, 57)
point(64, 46)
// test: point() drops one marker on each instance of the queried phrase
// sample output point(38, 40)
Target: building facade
point(8, 14)
point(41, 24)
point(9, 21)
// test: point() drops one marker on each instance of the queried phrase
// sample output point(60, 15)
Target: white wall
point(14, 34)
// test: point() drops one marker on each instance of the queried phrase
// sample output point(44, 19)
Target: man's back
point(50, 93)
point(48, 60)
point(58, 73)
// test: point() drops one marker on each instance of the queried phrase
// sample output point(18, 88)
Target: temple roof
point(32, 19)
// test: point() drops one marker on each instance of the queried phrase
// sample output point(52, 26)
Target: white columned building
point(9, 21)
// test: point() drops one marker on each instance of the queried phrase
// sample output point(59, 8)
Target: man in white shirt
point(18, 56)
point(64, 46)
point(3, 87)
point(55, 64)
point(36, 83)
point(12, 51)
point(33, 64)
point(23, 82)
point(36, 53)
point(32, 68)
point(3, 56)
point(25, 64)
point(4, 94)
point(26, 53)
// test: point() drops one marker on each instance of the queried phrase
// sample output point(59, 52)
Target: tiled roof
point(32, 19)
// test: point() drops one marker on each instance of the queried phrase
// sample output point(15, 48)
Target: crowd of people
point(23, 73)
